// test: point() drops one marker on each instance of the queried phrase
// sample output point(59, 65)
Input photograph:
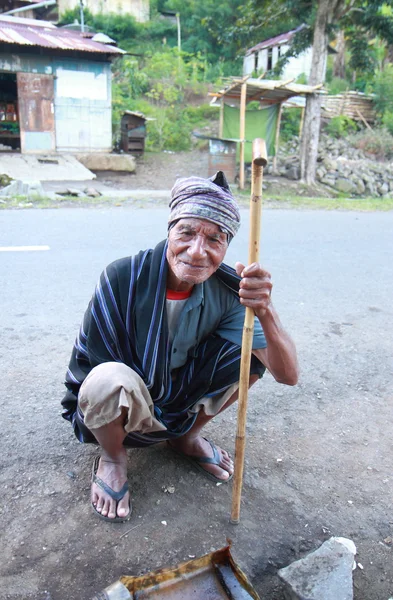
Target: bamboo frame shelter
point(242, 90)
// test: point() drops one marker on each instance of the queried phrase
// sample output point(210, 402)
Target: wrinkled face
point(196, 248)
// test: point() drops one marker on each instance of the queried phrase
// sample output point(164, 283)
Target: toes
point(105, 508)
point(123, 507)
point(111, 509)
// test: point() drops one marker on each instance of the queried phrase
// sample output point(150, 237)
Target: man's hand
point(255, 287)
point(279, 357)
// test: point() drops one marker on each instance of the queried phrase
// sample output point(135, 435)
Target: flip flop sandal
point(114, 495)
point(199, 461)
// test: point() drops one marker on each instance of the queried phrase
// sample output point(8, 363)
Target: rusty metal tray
point(214, 576)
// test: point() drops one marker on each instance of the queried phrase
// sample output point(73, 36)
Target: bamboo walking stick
point(259, 160)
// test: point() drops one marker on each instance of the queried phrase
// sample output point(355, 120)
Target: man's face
point(196, 248)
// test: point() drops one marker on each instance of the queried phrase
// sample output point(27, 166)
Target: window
point(269, 59)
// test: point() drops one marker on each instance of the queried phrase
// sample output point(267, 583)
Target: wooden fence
point(355, 105)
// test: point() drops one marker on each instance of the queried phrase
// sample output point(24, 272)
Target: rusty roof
point(31, 32)
point(276, 40)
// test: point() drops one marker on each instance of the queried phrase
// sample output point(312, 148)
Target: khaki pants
point(112, 385)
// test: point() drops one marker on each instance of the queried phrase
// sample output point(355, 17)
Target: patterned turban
point(210, 199)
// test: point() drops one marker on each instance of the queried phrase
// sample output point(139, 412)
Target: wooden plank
point(36, 112)
point(363, 120)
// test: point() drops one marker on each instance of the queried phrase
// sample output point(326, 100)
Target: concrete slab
point(325, 574)
point(107, 191)
point(44, 167)
point(101, 161)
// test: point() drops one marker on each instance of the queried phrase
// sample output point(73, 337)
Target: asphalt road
point(332, 434)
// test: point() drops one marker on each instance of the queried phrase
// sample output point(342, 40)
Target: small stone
point(164, 523)
point(92, 192)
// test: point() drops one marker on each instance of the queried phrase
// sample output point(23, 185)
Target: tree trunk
point(312, 115)
point(339, 58)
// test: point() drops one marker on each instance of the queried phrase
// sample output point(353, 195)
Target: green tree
point(322, 19)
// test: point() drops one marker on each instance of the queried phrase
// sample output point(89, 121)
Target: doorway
point(9, 119)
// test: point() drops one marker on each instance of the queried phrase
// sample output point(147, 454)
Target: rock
point(30, 189)
point(5, 180)
point(293, 172)
point(371, 188)
point(75, 192)
point(344, 185)
point(383, 188)
point(107, 162)
point(92, 192)
point(360, 187)
point(329, 180)
point(325, 574)
point(321, 172)
point(331, 165)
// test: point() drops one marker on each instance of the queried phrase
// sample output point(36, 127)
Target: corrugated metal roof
point(264, 90)
point(275, 41)
point(29, 32)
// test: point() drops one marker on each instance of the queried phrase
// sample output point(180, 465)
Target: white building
point(139, 9)
point(264, 56)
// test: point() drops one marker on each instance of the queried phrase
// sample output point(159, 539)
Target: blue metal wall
point(83, 112)
point(82, 102)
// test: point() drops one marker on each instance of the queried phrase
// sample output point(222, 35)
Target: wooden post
point(243, 97)
point(301, 122)
point(221, 123)
point(277, 138)
point(259, 160)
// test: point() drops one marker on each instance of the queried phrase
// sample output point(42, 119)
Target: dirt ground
point(318, 460)
point(159, 172)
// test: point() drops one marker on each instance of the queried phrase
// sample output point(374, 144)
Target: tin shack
point(55, 88)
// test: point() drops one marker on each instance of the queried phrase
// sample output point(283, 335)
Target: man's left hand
point(255, 287)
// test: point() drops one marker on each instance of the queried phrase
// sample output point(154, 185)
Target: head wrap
point(210, 199)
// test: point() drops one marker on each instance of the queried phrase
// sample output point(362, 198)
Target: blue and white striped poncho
point(126, 322)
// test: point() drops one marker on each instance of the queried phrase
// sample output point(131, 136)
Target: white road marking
point(23, 248)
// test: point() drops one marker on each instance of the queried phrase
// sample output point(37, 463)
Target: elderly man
point(158, 353)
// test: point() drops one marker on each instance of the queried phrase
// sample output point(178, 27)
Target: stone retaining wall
point(341, 167)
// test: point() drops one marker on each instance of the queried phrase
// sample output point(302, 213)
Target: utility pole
point(178, 39)
point(178, 32)
point(82, 16)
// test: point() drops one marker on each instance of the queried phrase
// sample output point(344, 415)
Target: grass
point(243, 196)
point(319, 203)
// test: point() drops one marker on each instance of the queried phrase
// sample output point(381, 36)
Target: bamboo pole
point(242, 128)
point(221, 123)
point(277, 138)
point(259, 160)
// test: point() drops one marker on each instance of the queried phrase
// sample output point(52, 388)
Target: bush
point(198, 115)
point(378, 142)
point(340, 126)
point(290, 123)
point(383, 90)
point(387, 121)
point(338, 85)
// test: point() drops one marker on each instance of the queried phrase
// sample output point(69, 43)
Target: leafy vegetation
point(340, 126)
point(170, 85)
point(378, 142)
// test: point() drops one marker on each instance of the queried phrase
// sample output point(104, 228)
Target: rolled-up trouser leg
point(111, 386)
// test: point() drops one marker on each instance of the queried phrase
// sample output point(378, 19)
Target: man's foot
point(109, 477)
point(206, 456)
